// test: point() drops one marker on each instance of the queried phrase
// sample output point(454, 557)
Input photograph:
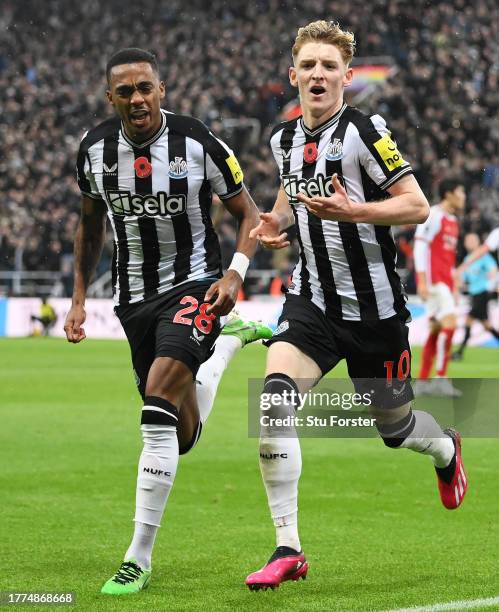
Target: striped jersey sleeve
point(379, 154)
point(275, 146)
point(84, 175)
point(222, 168)
point(281, 143)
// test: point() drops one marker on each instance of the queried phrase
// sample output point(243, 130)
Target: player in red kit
point(435, 259)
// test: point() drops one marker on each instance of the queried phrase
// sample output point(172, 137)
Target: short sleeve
point(430, 228)
point(492, 240)
point(222, 168)
point(84, 176)
point(490, 262)
point(379, 154)
point(275, 146)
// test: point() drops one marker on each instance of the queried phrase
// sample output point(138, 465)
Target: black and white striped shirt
point(158, 194)
point(346, 269)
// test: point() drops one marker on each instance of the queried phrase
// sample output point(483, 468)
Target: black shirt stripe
point(213, 255)
point(185, 126)
point(373, 193)
point(352, 244)
point(331, 298)
point(147, 228)
point(287, 145)
point(181, 226)
point(389, 255)
point(121, 254)
point(369, 135)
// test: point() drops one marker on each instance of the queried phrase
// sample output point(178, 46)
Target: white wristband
point(240, 263)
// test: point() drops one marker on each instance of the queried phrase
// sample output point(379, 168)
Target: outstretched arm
point(482, 250)
point(270, 229)
point(89, 241)
point(242, 208)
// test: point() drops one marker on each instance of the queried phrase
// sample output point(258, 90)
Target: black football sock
point(283, 551)
point(467, 333)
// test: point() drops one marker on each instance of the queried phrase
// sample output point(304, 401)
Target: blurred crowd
point(225, 62)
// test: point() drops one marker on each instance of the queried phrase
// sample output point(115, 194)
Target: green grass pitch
point(372, 526)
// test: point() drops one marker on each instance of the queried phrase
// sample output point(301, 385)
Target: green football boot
point(246, 331)
point(130, 578)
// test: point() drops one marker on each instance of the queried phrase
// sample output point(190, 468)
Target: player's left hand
point(225, 290)
point(337, 207)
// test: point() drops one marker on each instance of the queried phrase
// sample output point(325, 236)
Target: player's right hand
point(267, 232)
point(73, 325)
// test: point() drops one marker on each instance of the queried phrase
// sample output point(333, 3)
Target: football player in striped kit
point(343, 184)
point(153, 173)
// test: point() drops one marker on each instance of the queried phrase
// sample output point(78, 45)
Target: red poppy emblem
point(142, 167)
point(310, 152)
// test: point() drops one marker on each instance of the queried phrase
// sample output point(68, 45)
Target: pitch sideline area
point(373, 528)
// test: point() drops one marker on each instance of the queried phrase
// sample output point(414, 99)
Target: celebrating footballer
point(344, 182)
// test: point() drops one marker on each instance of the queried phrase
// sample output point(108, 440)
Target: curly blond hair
point(328, 32)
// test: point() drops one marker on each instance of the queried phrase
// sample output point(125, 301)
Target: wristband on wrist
point(240, 263)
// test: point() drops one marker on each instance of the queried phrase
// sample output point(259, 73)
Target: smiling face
point(320, 74)
point(135, 91)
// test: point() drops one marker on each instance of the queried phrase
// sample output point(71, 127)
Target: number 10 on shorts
point(403, 368)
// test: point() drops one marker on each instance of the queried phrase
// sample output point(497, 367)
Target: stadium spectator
point(443, 100)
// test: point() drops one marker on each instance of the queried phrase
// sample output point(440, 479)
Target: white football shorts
point(440, 302)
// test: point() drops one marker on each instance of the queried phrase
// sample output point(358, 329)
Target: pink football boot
point(284, 564)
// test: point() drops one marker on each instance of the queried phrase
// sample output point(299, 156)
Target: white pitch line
point(465, 604)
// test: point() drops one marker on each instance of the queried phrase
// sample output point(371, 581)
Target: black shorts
point(377, 353)
point(172, 324)
point(479, 303)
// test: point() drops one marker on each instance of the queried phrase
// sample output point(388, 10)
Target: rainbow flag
point(367, 74)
